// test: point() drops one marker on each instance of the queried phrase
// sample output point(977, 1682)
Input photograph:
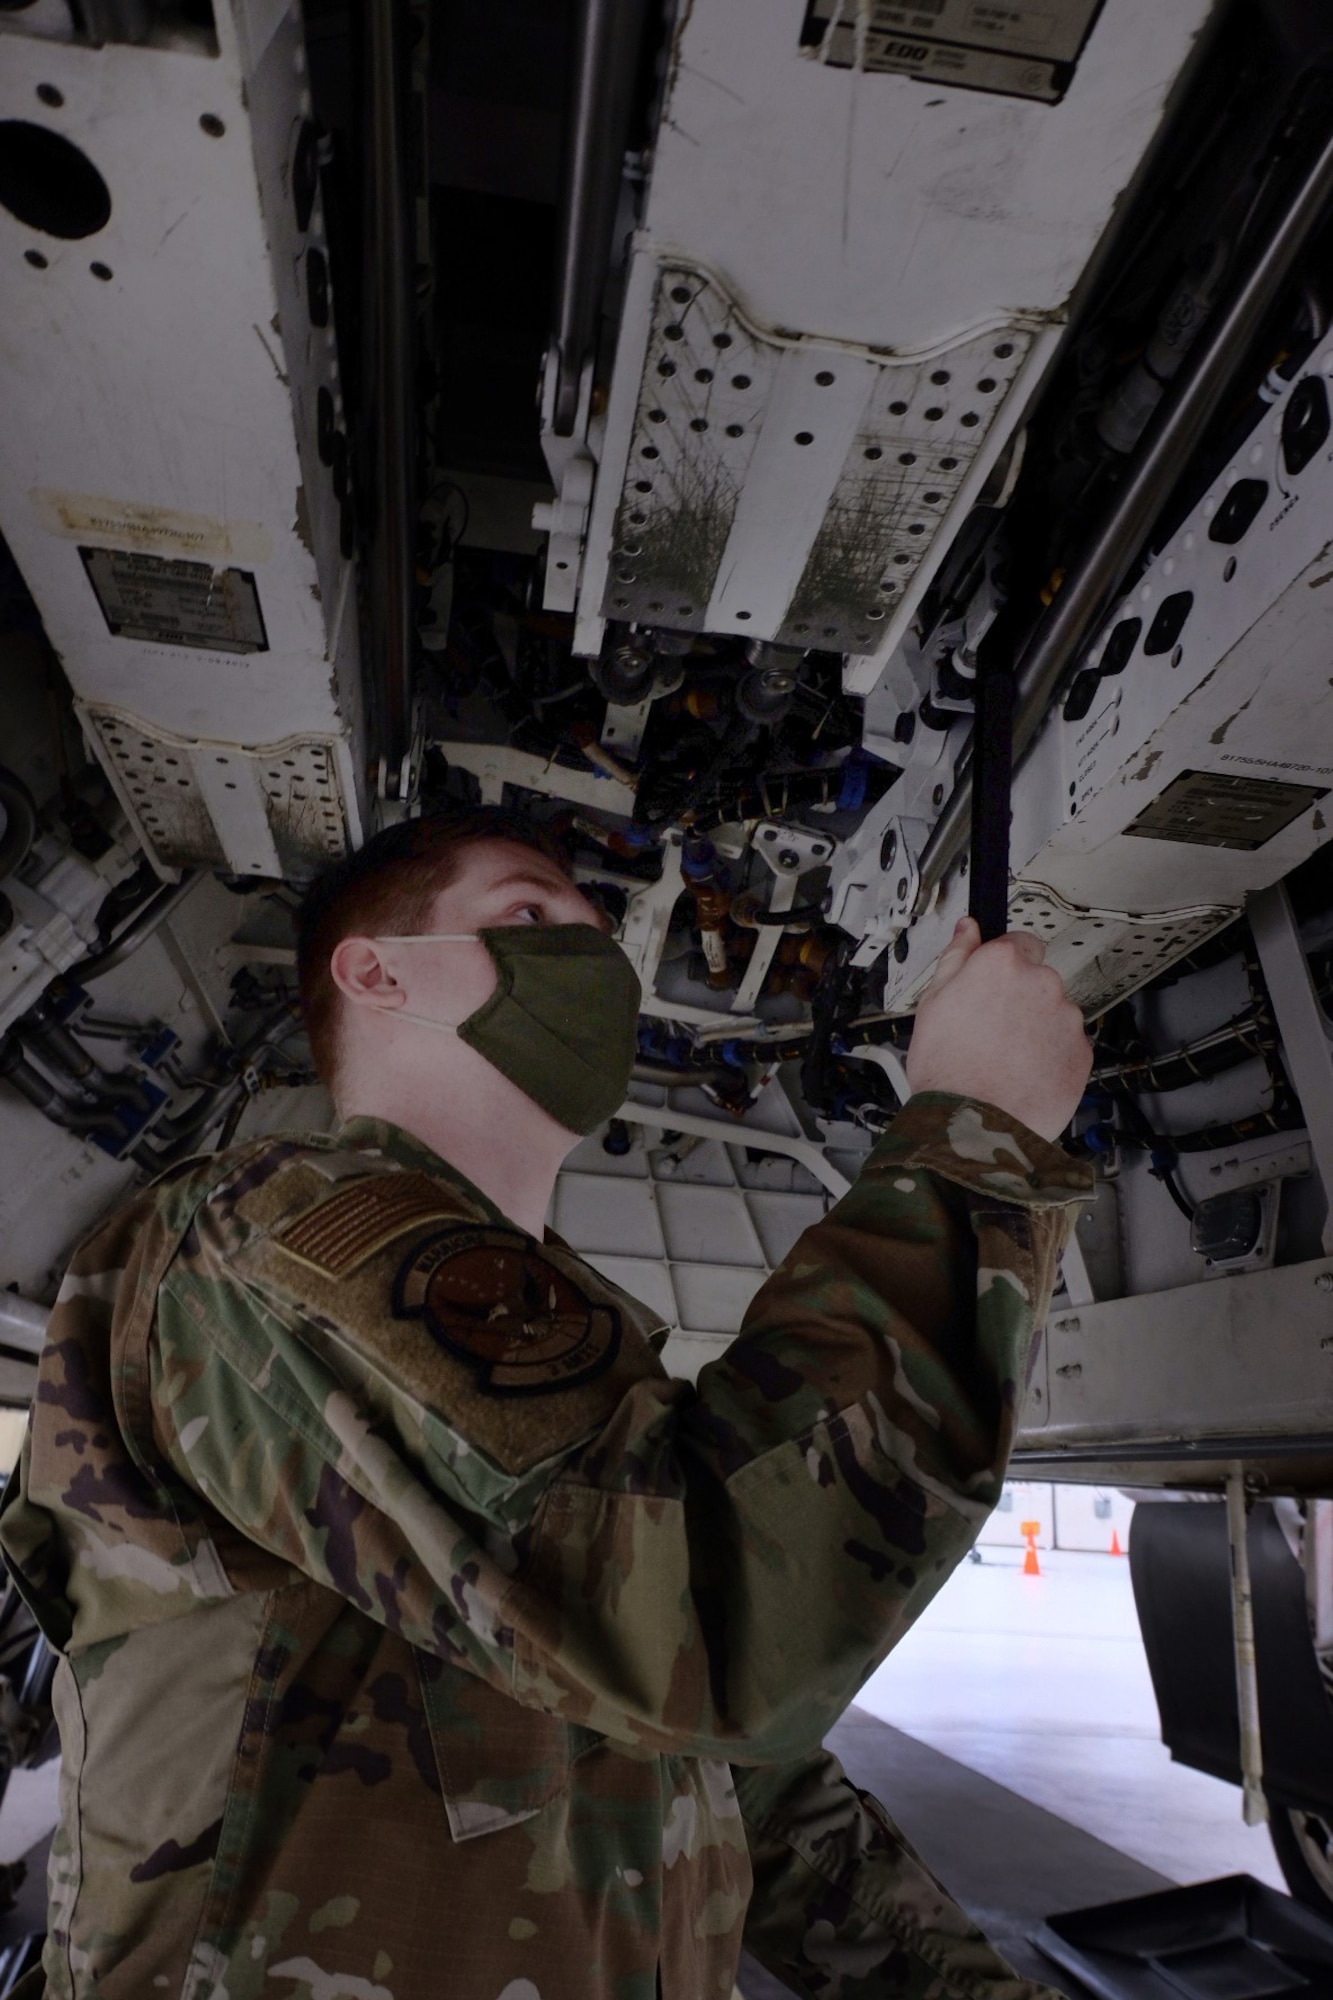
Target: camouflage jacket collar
point(379, 1136)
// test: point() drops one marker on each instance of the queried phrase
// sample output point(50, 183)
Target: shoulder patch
point(490, 1295)
point(339, 1235)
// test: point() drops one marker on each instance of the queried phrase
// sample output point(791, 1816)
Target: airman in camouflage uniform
point(421, 1637)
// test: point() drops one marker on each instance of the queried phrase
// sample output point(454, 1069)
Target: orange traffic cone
point(1030, 1530)
point(1116, 1549)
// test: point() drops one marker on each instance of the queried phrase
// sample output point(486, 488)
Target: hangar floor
point(1014, 1737)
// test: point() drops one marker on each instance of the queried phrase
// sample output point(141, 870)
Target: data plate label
point(176, 603)
point(1018, 49)
point(1223, 809)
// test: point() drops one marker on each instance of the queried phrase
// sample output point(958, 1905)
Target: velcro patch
point(340, 1234)
point(490, 1295)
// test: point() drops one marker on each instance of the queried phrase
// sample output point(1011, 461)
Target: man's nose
point(578, 910)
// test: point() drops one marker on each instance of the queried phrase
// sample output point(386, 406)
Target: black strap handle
point(992, 784)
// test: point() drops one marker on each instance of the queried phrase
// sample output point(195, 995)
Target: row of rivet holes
point(148, 754)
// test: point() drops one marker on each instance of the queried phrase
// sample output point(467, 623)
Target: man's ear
point(361, 976)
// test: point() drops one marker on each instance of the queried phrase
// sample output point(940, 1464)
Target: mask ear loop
point(430, 937)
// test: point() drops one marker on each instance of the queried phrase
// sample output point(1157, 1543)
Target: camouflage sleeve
point(844, 1909)
point(712, 1571)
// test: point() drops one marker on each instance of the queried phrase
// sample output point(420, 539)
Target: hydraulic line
point(57, 1048)
point(1286, 1116)
point(183, 1131)
point(44, 1097)
point(1238, 1042)
point(1167, 445)
point(1162, 1151)
point(389, 389)
point(22, 1323)
point(141, 926)
point(608, 38)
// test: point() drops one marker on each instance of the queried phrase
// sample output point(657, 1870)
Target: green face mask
point(562, 1022)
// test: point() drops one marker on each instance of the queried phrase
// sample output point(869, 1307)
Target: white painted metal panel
point(1239, 704)
point(159, 380)
point(882, 231)
point(996, 201)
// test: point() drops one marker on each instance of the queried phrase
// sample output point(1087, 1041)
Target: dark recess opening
point(47, 183)
point(493, 329)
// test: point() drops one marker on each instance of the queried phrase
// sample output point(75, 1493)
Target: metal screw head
point(789, 858)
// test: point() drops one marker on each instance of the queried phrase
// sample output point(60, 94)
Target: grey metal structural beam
point(1303, 1026)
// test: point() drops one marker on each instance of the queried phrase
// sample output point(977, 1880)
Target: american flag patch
point(338, 1236)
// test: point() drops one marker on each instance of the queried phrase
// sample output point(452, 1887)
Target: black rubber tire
point(1303, 1844)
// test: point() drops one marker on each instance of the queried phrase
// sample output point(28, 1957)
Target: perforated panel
point(1102, 955)
point(859, 456)
point(305, 807)
point(266, 810)
point(159, 793)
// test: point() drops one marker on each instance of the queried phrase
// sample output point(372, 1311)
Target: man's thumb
point(965, 940)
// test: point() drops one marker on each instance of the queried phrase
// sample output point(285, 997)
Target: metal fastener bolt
point(789, 858)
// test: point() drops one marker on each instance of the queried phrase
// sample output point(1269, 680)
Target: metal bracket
point(730, 1132)
point(790, 852)
point(874, 897)
point(565, 521)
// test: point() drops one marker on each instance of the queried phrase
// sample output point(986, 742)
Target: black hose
point(1228, 1048)
point(1285, 1116)
point(665, 1075)
point(231, 1122)
point(662, 796)
point(802, 916)
point(140, 927)
point(182, 1132)
point(44, 1097)
point(56, 1046)
point(1162, 1152)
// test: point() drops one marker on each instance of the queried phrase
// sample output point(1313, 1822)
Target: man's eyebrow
point(527, 878)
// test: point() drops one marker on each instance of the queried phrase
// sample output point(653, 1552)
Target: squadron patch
point(491, 1296)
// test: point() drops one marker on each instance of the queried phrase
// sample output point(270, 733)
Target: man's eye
point(528, 913)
